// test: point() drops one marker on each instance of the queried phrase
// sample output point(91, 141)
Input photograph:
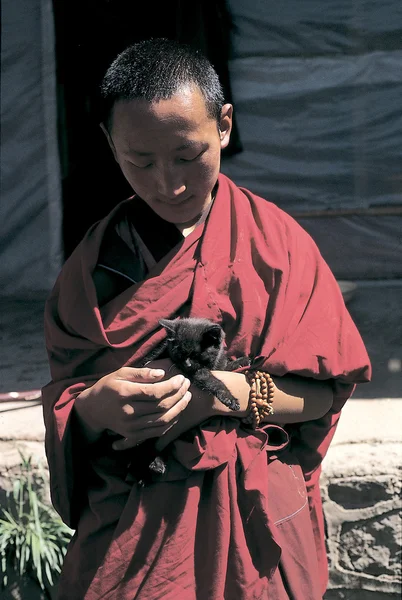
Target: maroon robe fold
point(232, 518)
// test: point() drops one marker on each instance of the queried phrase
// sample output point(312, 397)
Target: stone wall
point(361, 489)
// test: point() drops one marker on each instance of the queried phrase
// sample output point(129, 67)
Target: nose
point(169, 183)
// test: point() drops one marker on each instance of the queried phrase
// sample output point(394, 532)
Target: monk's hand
point(199, 410)
point(204, 406)
point(136, 404)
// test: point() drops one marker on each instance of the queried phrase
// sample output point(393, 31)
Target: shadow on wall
point(376, 308)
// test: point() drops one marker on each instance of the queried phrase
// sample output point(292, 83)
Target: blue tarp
point(317, 88)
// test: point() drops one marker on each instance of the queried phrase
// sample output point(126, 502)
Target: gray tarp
point(318, 92)
point(318, 89)
point(30, 208)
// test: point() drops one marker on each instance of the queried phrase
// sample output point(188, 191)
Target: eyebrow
point(185, 146)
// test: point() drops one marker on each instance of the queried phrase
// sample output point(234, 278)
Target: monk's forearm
point(296, 399)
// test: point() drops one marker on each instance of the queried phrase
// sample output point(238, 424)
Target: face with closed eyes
point(169, 152)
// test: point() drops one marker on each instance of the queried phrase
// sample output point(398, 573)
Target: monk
point(237, 515)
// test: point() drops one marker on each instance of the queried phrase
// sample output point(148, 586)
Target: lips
point(175, 201)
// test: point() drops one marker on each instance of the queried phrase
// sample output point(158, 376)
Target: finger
point(165, 439)
point(125, 443)
point(169, 387)
point(168, 401)
point(145, 422)
point(144, 374)
point(145, 408)
point(135, 440)
point(155, 391)
point(171, 414)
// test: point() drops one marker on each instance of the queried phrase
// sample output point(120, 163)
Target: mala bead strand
point(262, 390)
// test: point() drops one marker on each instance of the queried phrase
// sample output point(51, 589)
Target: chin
point(182, 217)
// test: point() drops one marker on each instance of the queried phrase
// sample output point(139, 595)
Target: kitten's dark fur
point(195, 346)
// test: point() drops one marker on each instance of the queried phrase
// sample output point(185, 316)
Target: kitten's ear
point(169, 325)
point(213, 335)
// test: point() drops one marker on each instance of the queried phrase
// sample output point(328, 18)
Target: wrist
point(82, 412)
point(238, 386)
point(262, 390)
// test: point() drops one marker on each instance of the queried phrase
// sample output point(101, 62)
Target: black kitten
point(195, 346)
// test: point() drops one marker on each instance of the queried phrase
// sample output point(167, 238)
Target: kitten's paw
point(230, 403)
point(244, 361)
point(158, 466)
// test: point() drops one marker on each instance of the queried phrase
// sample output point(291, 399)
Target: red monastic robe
point(238, 515)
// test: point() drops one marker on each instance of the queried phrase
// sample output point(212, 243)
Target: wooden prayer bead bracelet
point(262, 389)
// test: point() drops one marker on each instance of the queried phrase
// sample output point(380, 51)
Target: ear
point(225, 124)
point(169, 325)
point(213, 335)
point(109, 140)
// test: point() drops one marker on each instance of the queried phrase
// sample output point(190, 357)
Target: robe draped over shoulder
point(238, 513)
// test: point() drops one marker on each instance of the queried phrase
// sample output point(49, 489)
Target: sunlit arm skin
point(296, 399)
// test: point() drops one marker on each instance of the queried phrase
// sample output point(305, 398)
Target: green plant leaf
point(48, 573)
point(33, 539)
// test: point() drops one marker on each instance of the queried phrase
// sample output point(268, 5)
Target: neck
point(187, 228)
point(184, 230)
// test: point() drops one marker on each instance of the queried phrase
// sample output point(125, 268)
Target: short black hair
point(156, 69)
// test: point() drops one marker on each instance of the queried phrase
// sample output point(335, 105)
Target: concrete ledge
point(22, 420)
point(361, 489)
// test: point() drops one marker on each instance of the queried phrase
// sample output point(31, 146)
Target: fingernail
point(187, 382)
point(179, 379)
point(157, 372)
point(187, 396)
